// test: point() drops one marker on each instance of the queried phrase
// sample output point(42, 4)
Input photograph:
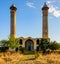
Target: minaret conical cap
point(45, 7)
point(13, 7)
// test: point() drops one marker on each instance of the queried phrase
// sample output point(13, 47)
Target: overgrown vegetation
point(4, 45)
point(17, 57)
point(13, 42)
point(54, 45)
point(44, 45)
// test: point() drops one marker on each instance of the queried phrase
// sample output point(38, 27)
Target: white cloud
point(48, 2)
point(30, 4)
point(53, 9)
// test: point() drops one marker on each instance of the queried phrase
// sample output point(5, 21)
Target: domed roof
point(45, 6)
point(13, 7)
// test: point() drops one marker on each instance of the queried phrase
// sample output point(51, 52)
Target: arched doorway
point(29, 45)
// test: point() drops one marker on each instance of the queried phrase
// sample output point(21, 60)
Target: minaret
point(13, 21)
point(45, 21)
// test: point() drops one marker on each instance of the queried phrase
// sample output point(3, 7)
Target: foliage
point(22, 49)
point(13, 42)
point(4, 43)
point(44, 45)
point(54, 45)
point(3, 49)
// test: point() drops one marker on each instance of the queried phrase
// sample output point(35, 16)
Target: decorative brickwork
point(45, 21)
point(13, 21)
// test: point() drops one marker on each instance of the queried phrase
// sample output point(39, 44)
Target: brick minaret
point(45, 21)
point(13, 21)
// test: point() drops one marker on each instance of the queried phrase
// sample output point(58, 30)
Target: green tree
point(13, 42)
point(44, 45)
point(54, 45)
point(4, 43)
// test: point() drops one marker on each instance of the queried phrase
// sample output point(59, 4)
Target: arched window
point(37, 41)
point(20, 42)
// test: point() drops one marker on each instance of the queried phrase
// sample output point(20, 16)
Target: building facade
point(30, 43)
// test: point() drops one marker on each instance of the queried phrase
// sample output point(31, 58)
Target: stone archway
point(29, 45)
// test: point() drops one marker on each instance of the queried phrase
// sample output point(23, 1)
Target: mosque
point(30, 43)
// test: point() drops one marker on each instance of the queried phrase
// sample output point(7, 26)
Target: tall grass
point(17, 58)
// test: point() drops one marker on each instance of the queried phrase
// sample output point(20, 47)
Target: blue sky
point(29, 18)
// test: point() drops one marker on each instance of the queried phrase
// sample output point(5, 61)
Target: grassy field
point(17, 58)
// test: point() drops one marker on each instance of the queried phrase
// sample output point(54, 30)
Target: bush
point(54, 45)
point(44, 45)
point(22, 49)
point(3, 49)
point(13, 42)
